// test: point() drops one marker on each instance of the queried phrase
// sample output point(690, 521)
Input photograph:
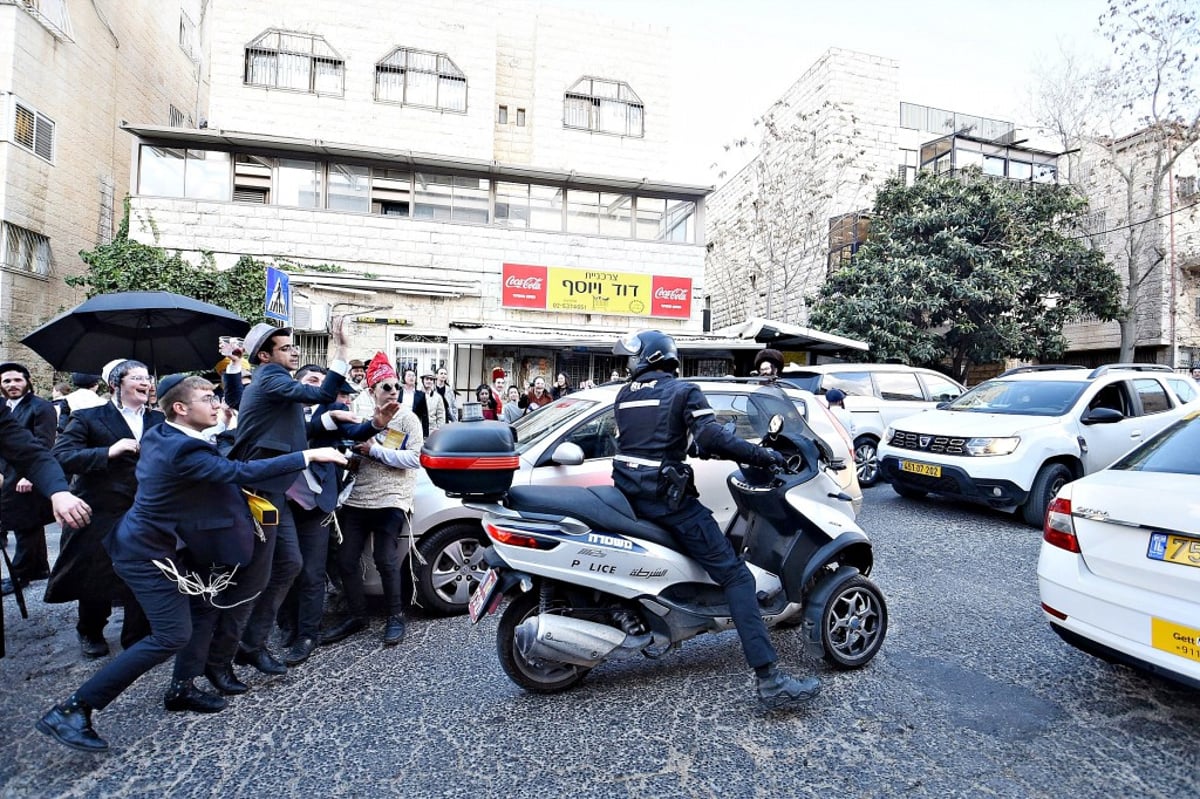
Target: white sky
point(733, 58)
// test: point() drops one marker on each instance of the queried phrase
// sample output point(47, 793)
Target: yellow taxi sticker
point(1175, 638)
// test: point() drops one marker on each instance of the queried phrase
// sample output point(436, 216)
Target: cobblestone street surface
point(972, 695)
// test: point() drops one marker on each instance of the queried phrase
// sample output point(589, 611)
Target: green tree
point(967, 269)
point(127, 265)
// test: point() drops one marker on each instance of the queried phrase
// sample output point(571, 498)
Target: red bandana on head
point(379, 369)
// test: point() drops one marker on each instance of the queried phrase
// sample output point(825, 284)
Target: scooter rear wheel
point(853, 623)
point(540, 677)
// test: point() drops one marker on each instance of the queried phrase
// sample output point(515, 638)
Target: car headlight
point(991, 446)
point(888, 433)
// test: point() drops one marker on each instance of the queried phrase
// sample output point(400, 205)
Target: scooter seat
point(604, 508)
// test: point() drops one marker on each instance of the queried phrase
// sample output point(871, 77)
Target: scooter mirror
point(775, 425)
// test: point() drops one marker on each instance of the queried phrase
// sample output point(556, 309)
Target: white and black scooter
point(587, 581)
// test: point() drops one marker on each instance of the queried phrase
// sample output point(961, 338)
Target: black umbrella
point(167, 332)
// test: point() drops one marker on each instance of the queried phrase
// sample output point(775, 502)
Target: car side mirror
point(943, 405)
point(1102, 416)
point(567, 454)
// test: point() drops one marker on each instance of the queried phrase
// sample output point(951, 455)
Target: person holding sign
point(379, 506)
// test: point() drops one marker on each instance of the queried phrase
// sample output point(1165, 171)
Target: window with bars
point(421, 78)
point(604, 106)
point(25, 251)
point(304, 62)
point(34, 131)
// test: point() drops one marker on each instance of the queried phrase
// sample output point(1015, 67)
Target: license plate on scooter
point(480, 603)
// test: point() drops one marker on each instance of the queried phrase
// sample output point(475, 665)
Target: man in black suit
point(187, 532)
point(21, 510)
point(270, 423)
point(100, 446)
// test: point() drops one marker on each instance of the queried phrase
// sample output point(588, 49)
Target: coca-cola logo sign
point(527, 283)
point(674, 295)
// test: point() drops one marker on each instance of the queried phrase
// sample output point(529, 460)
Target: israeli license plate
point(927, 469)
point(1175, 638)
point(480, 603)
point(1174, 549)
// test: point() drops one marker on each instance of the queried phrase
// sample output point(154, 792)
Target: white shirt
point(135, 418)
point(13, 403)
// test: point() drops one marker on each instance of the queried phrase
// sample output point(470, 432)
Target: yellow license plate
point(1175, 638)
point(1180, 549)
point(927, 469)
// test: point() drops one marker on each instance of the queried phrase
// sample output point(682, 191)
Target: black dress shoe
point(340, 632)
point(393, 633)
point(70, 723)
point(262, 660)
point(287, 636)
point(300, 651)
point(226, 681)
point(6, 587)
point(184, 695)
point(93, 647)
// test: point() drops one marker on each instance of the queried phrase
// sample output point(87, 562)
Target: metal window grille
point(314, 347)
point(421, 357)
point(606, 106)
point(421, 78)
point(279, 59)
point(26, 251)
point(33, 131)
point(174, 117)
point(52, 15)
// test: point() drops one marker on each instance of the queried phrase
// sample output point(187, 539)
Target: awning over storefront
point(597, 338)
point(783, 336)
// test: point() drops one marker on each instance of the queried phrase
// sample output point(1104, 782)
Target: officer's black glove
point(773, 459)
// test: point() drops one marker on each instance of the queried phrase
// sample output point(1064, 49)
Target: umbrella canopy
point(168, 332)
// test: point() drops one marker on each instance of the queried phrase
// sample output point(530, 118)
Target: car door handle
point(1135, 434)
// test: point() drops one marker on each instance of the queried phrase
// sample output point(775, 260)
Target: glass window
point(966, 158)
point(512, 204)
point(422, 78)
point(1025, 397)
point(24, 250)
point(680, 221)
point(298, 183)
point(738, 409)
point(502, 115)
point(1173, 450)
point(279, 59)
point(898, 386)
point(1183, 389)
point(1020, 170)
point(597, 436)
point(348, 188)
point(160, 171)
point(1153, 395)
point(650, 214)
point(583, 211)
point(446, 197)
point(616, 212)
point(607, 106)
point(1045, 173)
point(545, 207)
point(855, 384)
point(391, 192)
point(520, 117)
point(993, 165)
point(206, 175)
point(940, 389)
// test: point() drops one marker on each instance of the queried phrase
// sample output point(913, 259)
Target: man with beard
point(21, 510)
point(101, 446)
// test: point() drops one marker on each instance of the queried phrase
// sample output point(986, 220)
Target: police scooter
point(588, 581)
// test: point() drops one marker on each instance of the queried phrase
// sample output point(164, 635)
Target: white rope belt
point(192, 584)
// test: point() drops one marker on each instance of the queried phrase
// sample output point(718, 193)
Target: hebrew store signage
point(600, 291)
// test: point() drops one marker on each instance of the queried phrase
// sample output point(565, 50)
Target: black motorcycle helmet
point(648, 349)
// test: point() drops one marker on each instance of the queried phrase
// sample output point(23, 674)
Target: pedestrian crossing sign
point(279, 296)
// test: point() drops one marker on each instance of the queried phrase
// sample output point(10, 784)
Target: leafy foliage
point(968, 269)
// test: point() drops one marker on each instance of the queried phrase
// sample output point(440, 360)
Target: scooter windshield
point(751, 413)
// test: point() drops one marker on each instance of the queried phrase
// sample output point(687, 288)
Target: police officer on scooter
point(655, 414)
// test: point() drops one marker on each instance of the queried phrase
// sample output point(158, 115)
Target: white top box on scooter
point(472, 460)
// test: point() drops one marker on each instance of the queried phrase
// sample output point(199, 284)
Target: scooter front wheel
point(853, 623)
point(541, 677)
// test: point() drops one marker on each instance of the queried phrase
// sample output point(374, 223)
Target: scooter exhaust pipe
point(562, 639)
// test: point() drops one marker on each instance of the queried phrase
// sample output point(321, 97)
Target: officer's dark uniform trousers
point(654, 415)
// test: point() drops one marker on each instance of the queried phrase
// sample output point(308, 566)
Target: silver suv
point(877, 394)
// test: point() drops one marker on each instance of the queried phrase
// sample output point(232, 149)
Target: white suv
point(1014, 441)
point(877, 394)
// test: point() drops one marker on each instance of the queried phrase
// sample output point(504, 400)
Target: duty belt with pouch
point(676, 482)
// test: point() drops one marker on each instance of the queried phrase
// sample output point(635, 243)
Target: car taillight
point(514, 538)
point(1059, 530)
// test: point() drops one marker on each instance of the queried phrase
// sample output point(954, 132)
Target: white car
point(571, 442)
point(1014, 441)
point(1119, 570)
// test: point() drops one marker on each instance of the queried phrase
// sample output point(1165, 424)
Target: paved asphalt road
point(972, 695)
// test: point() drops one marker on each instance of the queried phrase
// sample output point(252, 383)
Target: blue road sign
point(279, 296)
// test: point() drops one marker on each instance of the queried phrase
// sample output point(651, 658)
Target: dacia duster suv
point(1014, 441)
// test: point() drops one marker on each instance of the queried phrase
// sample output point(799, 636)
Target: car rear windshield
point(1173, 450)
point(1022, 397)
point(549, 420)
point(809, 381)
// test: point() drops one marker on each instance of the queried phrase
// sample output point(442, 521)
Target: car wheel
point(866, 458)
point(1050, 479)
point(853, 623)
point(453, 567)
point(536, 676)
point(908, 492)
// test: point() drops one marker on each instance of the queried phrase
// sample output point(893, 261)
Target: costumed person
point(23, 510)
point(189, 522)
point(488, 405)
point(655, 415)
point(101, 446)
point(270, 423)
point(379, 508)
point(769, 363)
point(498, 378)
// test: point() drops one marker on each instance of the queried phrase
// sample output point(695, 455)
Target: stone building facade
point(69, 74)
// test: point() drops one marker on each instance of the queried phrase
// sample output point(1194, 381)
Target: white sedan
point(1119, 571)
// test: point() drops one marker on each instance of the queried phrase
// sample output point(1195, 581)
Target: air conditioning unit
point(311, 318)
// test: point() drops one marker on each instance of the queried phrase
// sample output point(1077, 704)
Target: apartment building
point(69, 74)
point(473, 183)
